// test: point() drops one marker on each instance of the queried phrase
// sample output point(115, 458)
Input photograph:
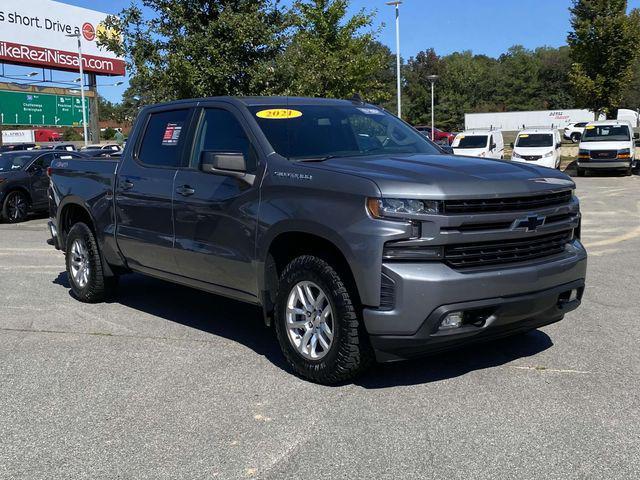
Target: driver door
point(39, 180)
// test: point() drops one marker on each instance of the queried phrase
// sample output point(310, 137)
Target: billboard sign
point(41, 109)
point(34, 32)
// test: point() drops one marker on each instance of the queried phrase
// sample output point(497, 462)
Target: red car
point(439, 135)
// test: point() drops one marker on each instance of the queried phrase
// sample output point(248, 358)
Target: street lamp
point(397, 4)
point(433, 79)
point(84, 112)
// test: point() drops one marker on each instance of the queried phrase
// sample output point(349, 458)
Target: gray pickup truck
point(359, 238)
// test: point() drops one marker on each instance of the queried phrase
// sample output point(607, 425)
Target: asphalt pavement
point(165, 382)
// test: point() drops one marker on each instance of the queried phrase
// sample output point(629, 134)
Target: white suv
point(606, 145)
point(574, 131)
point(539, 146)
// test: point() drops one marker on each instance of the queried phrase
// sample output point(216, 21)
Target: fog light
point(452, 320)
point(573, 295)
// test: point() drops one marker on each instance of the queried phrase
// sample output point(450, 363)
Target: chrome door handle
point(185, 190)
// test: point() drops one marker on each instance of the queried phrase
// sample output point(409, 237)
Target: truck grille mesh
point(506, 251)
point(507, 204)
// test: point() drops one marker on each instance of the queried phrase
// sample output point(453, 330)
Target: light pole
point(433, 79)
point(397, 4)
point(84, 112)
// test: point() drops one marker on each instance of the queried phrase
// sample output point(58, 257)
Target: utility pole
point(433, 79)
point(84, 108)
point(94, 114)
point(397, 4)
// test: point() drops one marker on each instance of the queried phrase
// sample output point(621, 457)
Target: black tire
point(98, 286)
point(580, 172)
point(349, 352)
point(629, 171)
point(575, 137)
point(15, 207)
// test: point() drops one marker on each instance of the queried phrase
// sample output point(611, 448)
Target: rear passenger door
point(215, 214)
point(39, 180)
point(144, 190)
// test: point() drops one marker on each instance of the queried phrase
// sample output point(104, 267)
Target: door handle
point(126, 185)
point(185, 190)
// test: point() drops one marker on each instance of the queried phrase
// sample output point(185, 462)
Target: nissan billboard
point(34, 32)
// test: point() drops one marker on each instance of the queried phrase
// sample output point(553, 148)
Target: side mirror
point(447, 149)
point(511, 144)
point(492, 147)
point(217, 162)
point(637, 143)
point(636, 136)
point(558, 145)
point(36, 169)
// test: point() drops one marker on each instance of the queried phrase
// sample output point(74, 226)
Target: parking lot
point(168, 382)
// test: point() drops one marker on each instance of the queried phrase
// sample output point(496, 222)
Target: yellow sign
point(279, 113)
point(590, 127)
point(524, 135)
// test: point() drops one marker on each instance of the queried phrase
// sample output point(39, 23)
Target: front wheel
point(580, 172)
point(317, 324)
point(85, 271)
point(15, 207)
point(575, 137)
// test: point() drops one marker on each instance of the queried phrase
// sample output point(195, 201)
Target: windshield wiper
point(318, 159)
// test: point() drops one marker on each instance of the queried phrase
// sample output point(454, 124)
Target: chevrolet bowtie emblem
point(530, 223)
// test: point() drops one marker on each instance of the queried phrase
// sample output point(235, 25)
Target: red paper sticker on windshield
point(172, 134)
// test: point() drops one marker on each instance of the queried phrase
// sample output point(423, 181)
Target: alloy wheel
point(80, 267)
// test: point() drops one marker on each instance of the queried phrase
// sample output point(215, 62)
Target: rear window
point(164, 139)
point(535, 140)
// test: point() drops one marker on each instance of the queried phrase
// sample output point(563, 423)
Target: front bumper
point(604, 164)
point(519, 297)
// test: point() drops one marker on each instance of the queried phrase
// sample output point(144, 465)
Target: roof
point(257, 101)
point(610, 122)
point(480, 131)
point(529, 131)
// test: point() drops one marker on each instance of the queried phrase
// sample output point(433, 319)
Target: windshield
point(13, 161)
point(301, 132)
point(535, 140)
point(606, 133)
point(473, 141)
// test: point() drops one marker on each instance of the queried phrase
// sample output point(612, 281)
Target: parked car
point(101, 153)
point(15, 147)
point(574, 131)
point(609, 144)
point(479, 143)
point(438, 135)
point(24, 182)
point(539, 146)
point(111, 146)
point(69, 147)
point(357, 237)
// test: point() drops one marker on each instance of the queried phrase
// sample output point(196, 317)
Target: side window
point(164, 138)
point(220, 131)
point(42, 162)
point(66, 155)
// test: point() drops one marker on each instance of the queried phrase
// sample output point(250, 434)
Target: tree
point(417, 85)
point(604, 49)
point(331, 55)
point(197, 48)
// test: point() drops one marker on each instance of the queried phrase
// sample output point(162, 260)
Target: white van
point(607, 144)
point(538, 146)
point(479, 143)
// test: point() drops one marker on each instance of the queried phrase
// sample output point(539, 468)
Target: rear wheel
point(84, 266)
point(15, 207)
point(317, 325)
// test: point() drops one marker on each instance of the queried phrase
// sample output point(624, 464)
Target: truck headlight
point(402, 208)
point(547, 155)
point(515, 155)
point(624, 153)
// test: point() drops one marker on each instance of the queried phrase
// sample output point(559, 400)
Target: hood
point(605, 145)
point(449, 176)
point(470, 152)
point(533, 150)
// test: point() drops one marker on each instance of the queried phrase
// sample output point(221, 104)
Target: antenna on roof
point(356, 98)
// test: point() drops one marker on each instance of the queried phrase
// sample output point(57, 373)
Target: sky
point(487, 27)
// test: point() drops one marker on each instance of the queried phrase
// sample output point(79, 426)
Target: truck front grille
point(506, 251)
point(604, 154)
point(488, 205)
